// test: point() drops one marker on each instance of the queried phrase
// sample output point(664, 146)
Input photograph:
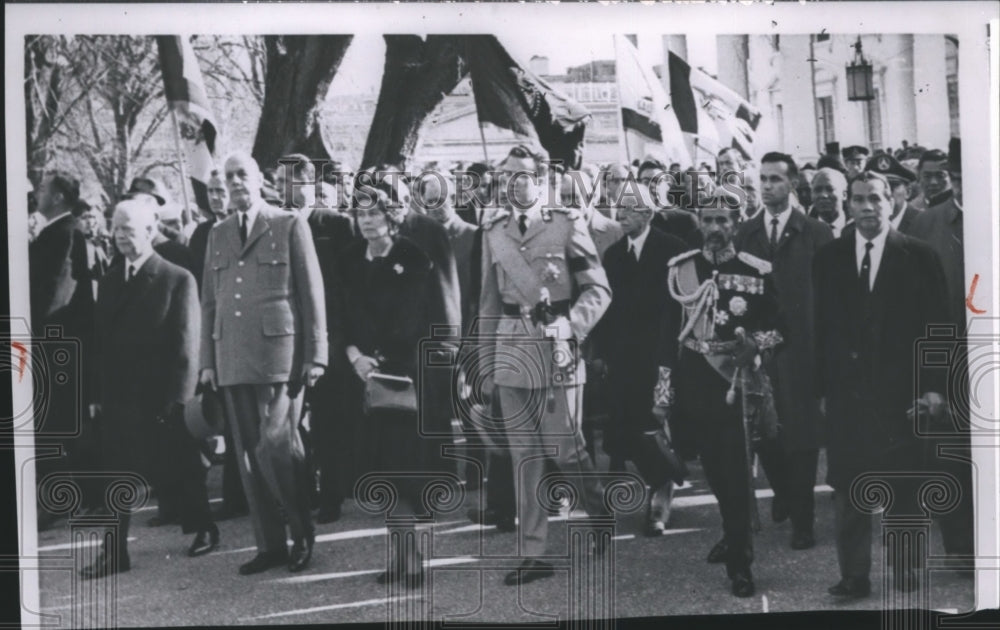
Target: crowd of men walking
point(754, 310)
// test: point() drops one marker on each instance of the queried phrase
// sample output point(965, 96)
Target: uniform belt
point(559, 307)
point(711, 347)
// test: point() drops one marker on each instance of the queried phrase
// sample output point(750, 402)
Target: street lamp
point(859, 77)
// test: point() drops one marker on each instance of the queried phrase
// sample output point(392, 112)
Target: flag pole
point(482, 138)
point(186, 216)
point(623, 135)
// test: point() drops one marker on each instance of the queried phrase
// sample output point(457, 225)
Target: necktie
point(774, 234)
point(243, 228)
point(130, 273)
point(522, 224)
point(866, 269)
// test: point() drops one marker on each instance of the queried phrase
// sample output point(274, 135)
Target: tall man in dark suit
point(786, 237)
point(637, 338)
point(329, 423)
point(263, 339)
point(940, 226)
point(148, 324)
point(60, 291)
point(876, 292)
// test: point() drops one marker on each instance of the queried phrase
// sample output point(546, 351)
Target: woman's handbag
point(385, 392)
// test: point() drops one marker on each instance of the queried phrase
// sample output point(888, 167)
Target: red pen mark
point(22, 359)
point(972, 292)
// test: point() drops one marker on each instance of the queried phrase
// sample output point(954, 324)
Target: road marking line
point(320, 577)
point(75, 545)
point(306, 611)
point(763, 601)
point(371, 532)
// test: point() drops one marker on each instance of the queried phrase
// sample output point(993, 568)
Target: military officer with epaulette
point(543, 290)
point(724, 403)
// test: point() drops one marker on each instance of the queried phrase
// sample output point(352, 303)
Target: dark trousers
point(718, 434)
point(332, 442)
point(233, 498)
point(854, 537)
point(272, 462)
point(181, 476)
point(792, 475)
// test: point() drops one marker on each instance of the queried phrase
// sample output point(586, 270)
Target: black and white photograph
point(476, 315)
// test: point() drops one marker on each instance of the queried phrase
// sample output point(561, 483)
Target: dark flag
point(711, 113)
point(511, 97)
point(188, 100)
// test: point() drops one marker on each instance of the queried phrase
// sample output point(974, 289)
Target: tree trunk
point(418, 75)
point(299, 71)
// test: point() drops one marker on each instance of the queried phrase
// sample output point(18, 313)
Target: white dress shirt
point(136, 264)
point(878, 246)
point(251, 217)
point(637, 242)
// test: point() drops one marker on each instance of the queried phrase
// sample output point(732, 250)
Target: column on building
point(930, 90)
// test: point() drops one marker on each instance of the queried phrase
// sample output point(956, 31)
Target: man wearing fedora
point(147, 356)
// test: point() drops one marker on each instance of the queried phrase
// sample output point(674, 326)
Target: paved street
point(652, 577)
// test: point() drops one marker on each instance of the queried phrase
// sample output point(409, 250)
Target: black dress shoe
point(779, 509)
point(654, 529)
point(851, 588)
point(263, 561)
point(204, 542)
point(105, 566)
point(503, 522)
point(743, 585)
point(301, 553)
point(328, 514)
point(802, 539)
point(718, 553)
point(529, 571)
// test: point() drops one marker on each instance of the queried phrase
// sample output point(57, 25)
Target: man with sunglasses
point(729, 326)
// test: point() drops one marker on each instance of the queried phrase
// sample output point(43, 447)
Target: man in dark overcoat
point(148, 324)
point(790, 462)
point(877, 291)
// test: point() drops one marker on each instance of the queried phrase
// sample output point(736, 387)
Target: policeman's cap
point(889, 166)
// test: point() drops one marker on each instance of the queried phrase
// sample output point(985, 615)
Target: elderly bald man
point(148, 320)
point(829, 194)
point(637, 338)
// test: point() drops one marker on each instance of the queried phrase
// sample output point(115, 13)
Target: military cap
point(149, 186)
point(854, 152)
point(885, 164)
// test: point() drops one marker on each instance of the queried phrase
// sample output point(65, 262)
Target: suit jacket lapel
point(260, 225)
point(893, 260)
point(139, 284)
point(760, 233)
point(793, 225)
point(535, 227)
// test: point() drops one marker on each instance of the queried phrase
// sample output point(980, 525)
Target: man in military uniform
point(854, 159)
point(900, 178)
point(536, 260)
point(729, 325)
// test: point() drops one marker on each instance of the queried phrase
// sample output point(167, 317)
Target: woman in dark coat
point(391, 301)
